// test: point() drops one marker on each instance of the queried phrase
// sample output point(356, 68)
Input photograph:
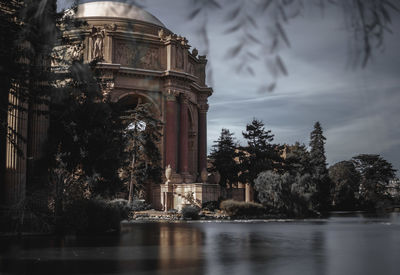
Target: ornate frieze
point(135, 55)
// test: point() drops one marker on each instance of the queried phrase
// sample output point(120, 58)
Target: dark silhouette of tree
point(142, 158)
point(318, 166)
point(345, 185)
point(297, 159)
point(285, 193)
point(260, 154)
point(375, 175)
point(223, 157)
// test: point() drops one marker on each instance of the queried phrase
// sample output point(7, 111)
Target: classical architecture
point(138, 60)
point(143, 61)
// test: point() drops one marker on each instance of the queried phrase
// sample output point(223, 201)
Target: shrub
point(125, 208)
point(190, 212)
point(242, 209)
point(286, 194)
point(90, 216)
point(210, 205)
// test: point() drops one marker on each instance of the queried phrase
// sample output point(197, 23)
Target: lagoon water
point(345, 243)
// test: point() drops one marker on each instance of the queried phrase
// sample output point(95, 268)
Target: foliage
point(223, 156)
point(90, 217)
point(126, 208)
point(242, 209)
point(190, 212)
point(259, 155)
point(318, 166)
point(27, 36)
point(375, 175)
point(366, 21)
point(142, 158)
point(297, 159)
point(210, 205)
point(291, 195)
point(345, 184)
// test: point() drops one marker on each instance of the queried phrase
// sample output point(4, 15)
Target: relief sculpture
point(137, 56)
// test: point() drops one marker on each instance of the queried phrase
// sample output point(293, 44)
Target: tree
point(318, 166)
point(375, 174)
point(285, 193)
point(223, 156)
point(297, 159)
point(260, 154)
point(142, 161)
point(345, 184)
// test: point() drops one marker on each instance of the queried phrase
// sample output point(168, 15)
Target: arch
point(130, 98)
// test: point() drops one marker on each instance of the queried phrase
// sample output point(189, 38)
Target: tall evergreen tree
point(297, 159)
point(375, 175)
point(318, 165)
point(223, 156)
point(260, 154)
point(142, 159)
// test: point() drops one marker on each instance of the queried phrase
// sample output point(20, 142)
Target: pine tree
point(375, 174)
point(142, 161)
point(318, 165)
point(223, 156)
point(297, 159)
point(260, 154)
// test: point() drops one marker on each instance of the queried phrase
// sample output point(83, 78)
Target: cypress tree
point(318, 167)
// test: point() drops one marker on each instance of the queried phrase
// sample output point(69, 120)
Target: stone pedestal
point(176, 196)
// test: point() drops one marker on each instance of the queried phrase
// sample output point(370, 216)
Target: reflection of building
point(139, 58)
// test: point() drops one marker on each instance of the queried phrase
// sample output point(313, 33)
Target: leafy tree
point(142, 158)
point(318, 166)
point(85, 129)
point(285, 193)
point(297, 159)
point(260, 154)
point(345, 184)
point(223, 156)
point(375, 174)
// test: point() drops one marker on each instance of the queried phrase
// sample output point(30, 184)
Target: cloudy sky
point(358, 108)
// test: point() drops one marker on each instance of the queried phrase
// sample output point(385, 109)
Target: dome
point(116, 9)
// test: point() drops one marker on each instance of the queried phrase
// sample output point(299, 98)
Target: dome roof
point(116, 9)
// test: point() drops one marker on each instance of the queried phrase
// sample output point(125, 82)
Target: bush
point(210, 205)
point(90, 216)
point(242, 209)
point(125, 208)
point(190, 212)
point(286, 194)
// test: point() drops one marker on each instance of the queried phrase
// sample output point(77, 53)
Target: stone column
point(170, 132)
point(183, 138)
point(203, 137)
point(15, 176)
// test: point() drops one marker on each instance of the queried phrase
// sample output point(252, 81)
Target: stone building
point(141, 60)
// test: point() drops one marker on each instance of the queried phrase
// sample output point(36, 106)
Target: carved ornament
point(137, 56)
point(98, 35)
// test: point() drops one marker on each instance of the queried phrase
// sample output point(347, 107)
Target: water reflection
point(342, 244)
